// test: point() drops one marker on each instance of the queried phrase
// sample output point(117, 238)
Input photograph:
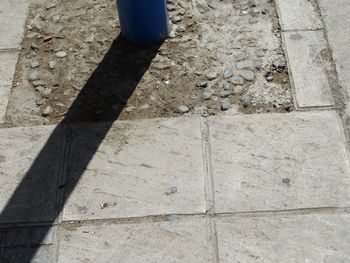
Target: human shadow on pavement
point(102, 98)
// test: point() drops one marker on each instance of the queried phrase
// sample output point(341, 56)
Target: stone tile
point(13, 14)
point(43, 254)
point(8, 63)
point(44, 235)
point(140, 168)
point(287, 239)
point(307, 68)
point(307, 18)
point(337, 21)
point(30, 164)
point(176, 241)
point(279, 161)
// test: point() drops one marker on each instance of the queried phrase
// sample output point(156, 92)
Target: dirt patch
point(75, 66)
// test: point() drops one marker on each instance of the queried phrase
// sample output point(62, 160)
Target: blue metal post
point(143, 21)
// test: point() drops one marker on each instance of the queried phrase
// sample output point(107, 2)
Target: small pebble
point(56, 18)
point(269, 78)
point(34, 46)
point(211, 75)
point(239, 57)
point(61, 54)
point(237, 81)
point(202, 85)
point(33, 75)
point(245, 100)
point(244, 64)
point(52, 64)
point(30, 55)
point(228, 73)
point(47, 111)
point(247, 75)
point(39, 102)
point(206, 95)
point(39, 88)
point(177, 19)
point(182, 109)
point(89, 39)
point(224, 94)
point(35, 64)
point(50, 5)
point(225, 105)
point(38, 83)
point(46, 93)
point(260, 53)
point(238, 90)
point(226, 86)
point(213, 5)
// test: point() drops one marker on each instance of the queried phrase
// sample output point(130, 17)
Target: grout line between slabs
point(208, 178)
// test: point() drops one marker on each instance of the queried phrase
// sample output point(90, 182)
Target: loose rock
point(56, 18)
point(182, 109)
point(245, 100)
point(46, 93)
point(50, 6)
point(202, 85)
point(38, 83)
point(52, 64)
point(244, 64)
point(247, 75)
point(61, 54)
point(213, 5)
point(237, 81)
point(224, 94)
point(270, 78)
point(225, 105)
point(39, 102)
point(228, 73)
point(206, 95)
point(33, 75)
point(211, 75)
point(47, 111)
point(35, 64)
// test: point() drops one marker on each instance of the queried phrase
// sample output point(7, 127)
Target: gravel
point(247, 75)
point(52, 64)
point(35, 64)
point(237, 81)
point(47, 111)
point(244, 64)
point(206, 95)
point(224, 94)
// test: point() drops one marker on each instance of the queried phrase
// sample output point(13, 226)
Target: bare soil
point(104, 77)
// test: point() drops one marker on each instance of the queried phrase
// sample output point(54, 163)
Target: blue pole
point(143, 21)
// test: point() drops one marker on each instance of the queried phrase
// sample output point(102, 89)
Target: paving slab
point(308, 71)
point(337, 21)
point(279, 161)
point(8, 61)
point(13, 14)
point(287, 239)
point(176, 241)
point(31, 159)
point(28, 244)
point(307, 17)
point(148, 167)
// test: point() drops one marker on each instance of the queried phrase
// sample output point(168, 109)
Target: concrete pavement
point(242, 188)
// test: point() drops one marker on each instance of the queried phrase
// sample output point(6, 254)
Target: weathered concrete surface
point(279, 161)
point(174, 241)
point(337, 20)
point(142, 168)
point(7, 71)
point(308, 72)
point(30, 166)
point(287, 239)
point(298, 15)
point(13, 14)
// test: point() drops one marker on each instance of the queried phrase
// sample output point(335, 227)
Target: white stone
point(289, 238)
point(133, 169)
point(308, 71)
point(8, 63)
point(298, 15)
point(279, 161)
point(173, 241)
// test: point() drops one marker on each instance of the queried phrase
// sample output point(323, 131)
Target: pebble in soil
point(212, 46)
